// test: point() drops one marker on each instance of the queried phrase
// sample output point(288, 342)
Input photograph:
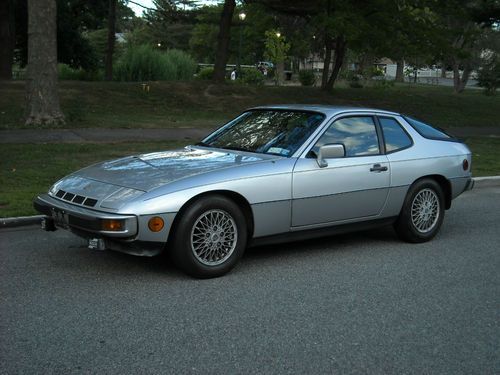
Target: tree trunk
point(400, 75)
point(443, 71)
point(459, 82)
point(111, 40)
point(7, 38)
point(42, 98)
point(222, 53)
point(340, 50)
point(326, 63)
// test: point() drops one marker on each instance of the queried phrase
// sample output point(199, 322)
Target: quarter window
point(395, 137)
point(428, 131)
point(357, 134)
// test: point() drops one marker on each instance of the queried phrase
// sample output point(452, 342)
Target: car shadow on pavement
point(349, 241)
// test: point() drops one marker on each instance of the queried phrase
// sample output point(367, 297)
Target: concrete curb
point(12, 222)
point(486, 181)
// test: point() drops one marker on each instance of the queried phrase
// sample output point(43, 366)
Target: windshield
point(266, 131)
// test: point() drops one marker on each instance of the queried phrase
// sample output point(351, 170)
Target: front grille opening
point(78, 199)
point(90, 202)
point(68, 196)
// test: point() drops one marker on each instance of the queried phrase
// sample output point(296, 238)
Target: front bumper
point(67, 216)
point(86, 223)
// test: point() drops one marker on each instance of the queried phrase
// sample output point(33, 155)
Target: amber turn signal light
point(465, 164)
point(156, 224)
point(112, 225)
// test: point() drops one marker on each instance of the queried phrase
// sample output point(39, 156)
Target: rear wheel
point(210, 237)
point(422, 213)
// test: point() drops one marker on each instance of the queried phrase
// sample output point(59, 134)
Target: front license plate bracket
point(61, 218)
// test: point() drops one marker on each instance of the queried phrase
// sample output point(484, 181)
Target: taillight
point(465, 164)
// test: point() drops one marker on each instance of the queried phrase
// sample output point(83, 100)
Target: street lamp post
point(242, 17)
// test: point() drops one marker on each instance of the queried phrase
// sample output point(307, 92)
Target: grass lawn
point(202, 104)
point(28, 169)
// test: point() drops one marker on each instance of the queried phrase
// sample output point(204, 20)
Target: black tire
point(425, 197)
point(223, 246)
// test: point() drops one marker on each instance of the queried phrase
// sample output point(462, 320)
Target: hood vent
point(77, 199)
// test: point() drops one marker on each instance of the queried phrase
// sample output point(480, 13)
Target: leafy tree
point(460, 26)
point(489, 75)
point(203, 41)
point(276, 50)
point(489, 71)
point(170, 24)
point(76, 18)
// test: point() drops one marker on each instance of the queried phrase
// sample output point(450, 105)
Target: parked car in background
point(272, 174)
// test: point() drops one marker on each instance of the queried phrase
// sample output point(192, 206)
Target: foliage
point(252, 76)
point(276, 51)
point(144, 63)
point(169, 24)
point(356, 80)
point(307, 78)
point(66, 72)
point(206, 73)
point(489, 76)
point(384, 83)
point(276, 47)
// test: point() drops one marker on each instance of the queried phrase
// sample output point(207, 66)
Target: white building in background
point(430, 74)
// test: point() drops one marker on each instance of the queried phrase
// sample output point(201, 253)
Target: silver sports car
point(272, 174)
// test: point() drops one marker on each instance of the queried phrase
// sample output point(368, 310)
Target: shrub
point(252, 76)
point(65, 72)
point(489, 77)
point(144, 63)
point(307, 78)
point(384, 83)
point(356, 80)
point(206, 73)
point(183, 63)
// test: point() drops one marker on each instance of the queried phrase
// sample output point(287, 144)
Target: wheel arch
point(237, 198)
point(445, 185)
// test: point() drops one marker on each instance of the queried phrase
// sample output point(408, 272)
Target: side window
point(357, 134)
point(394, 135)
point(427, 131)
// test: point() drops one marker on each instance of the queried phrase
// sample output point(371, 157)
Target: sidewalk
point(104, 135)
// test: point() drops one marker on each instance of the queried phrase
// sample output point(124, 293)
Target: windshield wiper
point(201, 143)
point(236, 148)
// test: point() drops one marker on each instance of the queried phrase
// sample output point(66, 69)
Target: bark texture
point(400, 71)
point(340, 51)
point(460, 81)
point(326, 63)
point(111, 40)
point(222, 53)
point(7, 37)
point(42, 97)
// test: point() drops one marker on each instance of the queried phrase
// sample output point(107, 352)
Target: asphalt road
point(363, 303)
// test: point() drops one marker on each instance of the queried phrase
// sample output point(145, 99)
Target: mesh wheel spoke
point(214, 237)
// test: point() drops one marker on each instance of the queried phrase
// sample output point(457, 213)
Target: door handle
point(378, 168)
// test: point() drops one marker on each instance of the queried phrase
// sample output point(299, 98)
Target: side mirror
point(330, 151)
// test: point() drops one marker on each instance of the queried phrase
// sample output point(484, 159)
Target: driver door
point(349, 188)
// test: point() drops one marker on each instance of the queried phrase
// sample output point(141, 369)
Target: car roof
point(329, 110)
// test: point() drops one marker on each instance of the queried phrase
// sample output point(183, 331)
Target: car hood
point(148, 171)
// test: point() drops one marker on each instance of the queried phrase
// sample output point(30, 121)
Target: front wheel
point(422, 213)
point(210, 237)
